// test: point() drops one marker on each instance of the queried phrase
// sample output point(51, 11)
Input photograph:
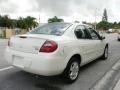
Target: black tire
point(67, 74)
point(105, 54)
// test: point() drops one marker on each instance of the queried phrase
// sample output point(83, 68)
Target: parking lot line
point(6, 68)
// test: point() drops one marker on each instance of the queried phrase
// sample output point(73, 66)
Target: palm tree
point(30, 22)
point(27, 23)
point(5, 21)
point(55, 19)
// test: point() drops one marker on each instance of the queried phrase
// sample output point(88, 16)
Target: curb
point(109, 80)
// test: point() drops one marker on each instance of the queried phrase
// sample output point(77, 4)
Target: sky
point(69, 10)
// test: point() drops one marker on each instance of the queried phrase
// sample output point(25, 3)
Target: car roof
point(73, 23)
point(88, 26)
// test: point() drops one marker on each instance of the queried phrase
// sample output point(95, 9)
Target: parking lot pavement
point(3, 44)
point(15, 79)
point(117, 86)
point(111, 37)
point(3, 41)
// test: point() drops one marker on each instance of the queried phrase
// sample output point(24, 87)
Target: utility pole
point(95, 18)
point(39, 20)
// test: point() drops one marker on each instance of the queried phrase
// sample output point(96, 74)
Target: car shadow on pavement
point(93, 63)
point(27, 81)
point(44, 82)
point(49, 83)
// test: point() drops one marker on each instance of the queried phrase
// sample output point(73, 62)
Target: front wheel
point(105, 55)
point(71, 73)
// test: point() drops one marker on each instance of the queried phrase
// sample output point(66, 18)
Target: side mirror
point(102, 37)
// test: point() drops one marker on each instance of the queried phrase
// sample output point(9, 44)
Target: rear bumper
point(41, 64)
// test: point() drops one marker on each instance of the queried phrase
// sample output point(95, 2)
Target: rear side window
point(82, 33)
point(52, 29)
point(79, 32)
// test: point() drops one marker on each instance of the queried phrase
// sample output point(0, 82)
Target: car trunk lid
point(27, 43)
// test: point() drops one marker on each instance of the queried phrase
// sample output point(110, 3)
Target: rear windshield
point(51, 29)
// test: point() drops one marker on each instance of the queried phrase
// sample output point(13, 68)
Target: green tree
point(55, 19)
point(105, 17)
point(13, 23)
point(5, 21)
point(111, 25)
point(30, 22)
point(23, 23)
point(103, 25)
point(118, 25)
point(27, 23)
point(20, 23)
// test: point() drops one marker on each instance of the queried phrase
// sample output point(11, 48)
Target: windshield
point(51, 29)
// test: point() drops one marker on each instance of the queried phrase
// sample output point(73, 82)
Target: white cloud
point(69, 10)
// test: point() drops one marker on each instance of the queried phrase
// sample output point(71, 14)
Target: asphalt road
point(15, 79)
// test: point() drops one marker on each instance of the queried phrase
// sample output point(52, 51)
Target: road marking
point(6, 68)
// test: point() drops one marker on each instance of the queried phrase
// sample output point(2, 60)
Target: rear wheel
point(105, 55)
point(71, 73)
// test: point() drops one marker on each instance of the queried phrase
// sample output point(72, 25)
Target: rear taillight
point(49, 46)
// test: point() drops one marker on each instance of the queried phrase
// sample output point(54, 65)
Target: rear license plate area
point(18, 61)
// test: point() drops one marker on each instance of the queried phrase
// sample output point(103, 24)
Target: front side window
point(94, 35)
point(52, 29)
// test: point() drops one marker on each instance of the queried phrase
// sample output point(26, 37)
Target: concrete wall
point(2, 33)
point(7, 33)
point(12, 32)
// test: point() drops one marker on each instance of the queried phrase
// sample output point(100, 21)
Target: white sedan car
point(56, 49)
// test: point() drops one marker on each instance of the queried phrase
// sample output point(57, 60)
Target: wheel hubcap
point(74, 70)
